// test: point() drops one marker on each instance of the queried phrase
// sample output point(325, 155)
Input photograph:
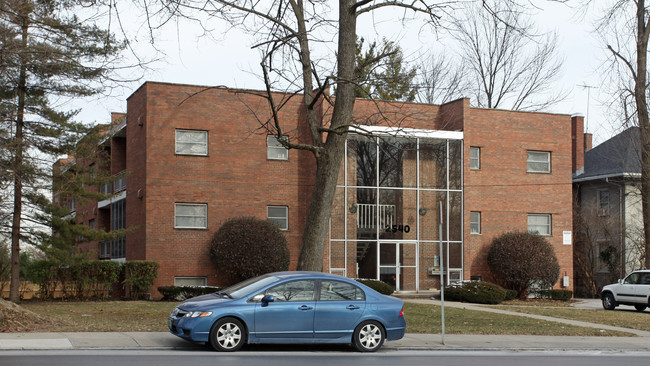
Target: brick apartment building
point(187, 158)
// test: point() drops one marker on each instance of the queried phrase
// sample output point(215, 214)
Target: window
point(275, 150)
point(340, 291)
point(191, 216)
point(190, 281)
point(475, 158)
point(293, 291)
point(91, 223)
point(603, 203)
point(539, 162)
point(191, 142)
point(278, 215)
point(539, 223)
point(475, 222)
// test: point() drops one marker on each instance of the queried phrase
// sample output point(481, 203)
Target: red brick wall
point(235, 179)
point(504, 192)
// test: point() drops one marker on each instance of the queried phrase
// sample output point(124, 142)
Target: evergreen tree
point(47, 55)
point(382, 73)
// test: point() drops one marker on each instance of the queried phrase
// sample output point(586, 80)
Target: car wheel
point(640, 307)
point(369, 336)
point(608, 301)
point(227, 335)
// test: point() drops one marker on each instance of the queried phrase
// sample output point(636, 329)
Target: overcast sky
point(227, 59)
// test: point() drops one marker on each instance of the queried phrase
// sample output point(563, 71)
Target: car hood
point(204, 301)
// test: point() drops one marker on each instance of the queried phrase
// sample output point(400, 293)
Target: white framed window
point(191, 142)
point(190, 216)
point(540, 224)
point(278, 215)
point(538, 162)
point(603, 202)
point(475, 157)
point(275, 150)
point(475, 222)
point(190, 281)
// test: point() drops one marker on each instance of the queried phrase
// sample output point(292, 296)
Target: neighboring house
point(608, 200)
point(189, 157)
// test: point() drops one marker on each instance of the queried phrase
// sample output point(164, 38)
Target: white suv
point(634, 290)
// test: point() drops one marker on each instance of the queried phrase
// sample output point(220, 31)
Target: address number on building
point(396, 228)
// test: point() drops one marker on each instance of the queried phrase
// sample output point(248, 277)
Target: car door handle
point(305, 307)
point(352, 307)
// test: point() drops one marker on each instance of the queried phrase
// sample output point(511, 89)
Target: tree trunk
point(14, 287)
point(328, 160)
point(640, 89)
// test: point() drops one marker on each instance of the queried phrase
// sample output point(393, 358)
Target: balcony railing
point(367, 215)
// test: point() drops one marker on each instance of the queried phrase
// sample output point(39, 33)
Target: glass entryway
point(384, 222)
point(398, 264)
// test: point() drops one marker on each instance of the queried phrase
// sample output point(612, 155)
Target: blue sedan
point(291, 307)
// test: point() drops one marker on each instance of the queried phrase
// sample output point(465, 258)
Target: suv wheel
point(640, 307)
point(609, 303)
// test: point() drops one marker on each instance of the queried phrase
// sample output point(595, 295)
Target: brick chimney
point(579, 144)
point(588, 141)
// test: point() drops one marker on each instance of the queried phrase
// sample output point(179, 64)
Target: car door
point(338, 309)
point(626, 291)
point(290, 315)
point(643, 288)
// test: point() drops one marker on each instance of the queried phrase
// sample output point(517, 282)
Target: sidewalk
point(164, 340)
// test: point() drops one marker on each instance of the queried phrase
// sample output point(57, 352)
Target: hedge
point(561, 295)
point(179, 293)
point(379, 286)
point(479, 292)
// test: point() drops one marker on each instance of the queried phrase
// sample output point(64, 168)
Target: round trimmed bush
point(246, 247)
point(477, 292)
point(379, 286)
point(519, 260)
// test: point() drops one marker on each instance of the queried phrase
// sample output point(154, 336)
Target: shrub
point(519, 260)
point(246, 247)
point(172, 293)
point(478, 292)
point(561, 295)
point(510, 295)
point(97, 278)
point(139, 276)
point(379, 286)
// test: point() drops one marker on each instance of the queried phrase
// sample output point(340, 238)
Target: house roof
point(617, 157)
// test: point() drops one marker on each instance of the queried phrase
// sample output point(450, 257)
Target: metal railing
point(367, 215)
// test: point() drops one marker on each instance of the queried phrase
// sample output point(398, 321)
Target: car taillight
point(401, 313)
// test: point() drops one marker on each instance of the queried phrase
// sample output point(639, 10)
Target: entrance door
point(398, 265)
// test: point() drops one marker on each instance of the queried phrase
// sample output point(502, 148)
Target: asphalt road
point(392, 358)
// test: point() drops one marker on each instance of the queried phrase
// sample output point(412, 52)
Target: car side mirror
point(620, 281)
point(267, 299)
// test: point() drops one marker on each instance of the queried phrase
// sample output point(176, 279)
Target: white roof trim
point(605, 176)
point(407, 132)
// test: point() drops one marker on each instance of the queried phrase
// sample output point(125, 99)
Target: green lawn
point(145, 316)
point(625, 317)
point(425, 318)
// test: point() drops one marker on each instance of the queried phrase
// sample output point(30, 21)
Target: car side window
point(293, 291)
point(645, 279)
point(632, 279)
point(340, 291)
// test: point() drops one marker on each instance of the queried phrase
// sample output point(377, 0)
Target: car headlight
point(198, 314)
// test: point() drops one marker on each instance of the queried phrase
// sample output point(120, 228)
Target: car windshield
point(249, 286)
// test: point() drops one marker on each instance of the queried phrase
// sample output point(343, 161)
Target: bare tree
point(624, 29)
point(286, 32)
point(441, 80)
point(510, 66)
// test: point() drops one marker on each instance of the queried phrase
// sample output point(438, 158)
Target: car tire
point(227, 335)
point(609, 303)
point(640, 307)
point(368, 336)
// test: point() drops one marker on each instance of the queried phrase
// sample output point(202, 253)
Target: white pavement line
point(50, 343)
